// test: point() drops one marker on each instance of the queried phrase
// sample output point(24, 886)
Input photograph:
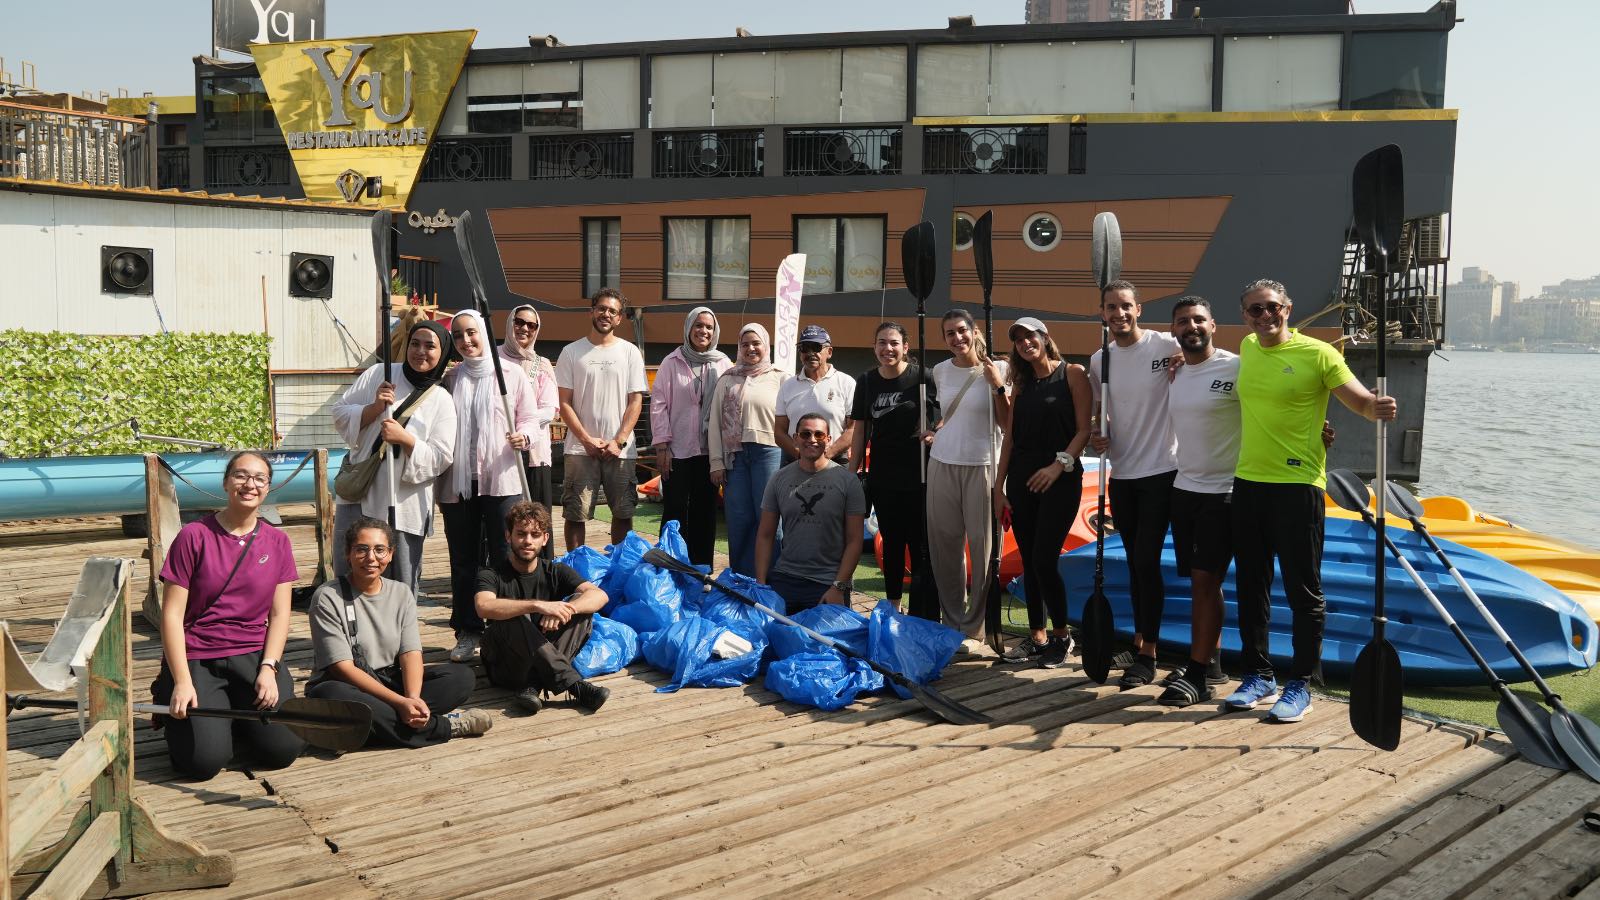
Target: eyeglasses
point(1257, 310)
point(806, 434)
point(525, 323)
point(809, 347)
point(380, 551)
point(247, 478)
point(608, 311)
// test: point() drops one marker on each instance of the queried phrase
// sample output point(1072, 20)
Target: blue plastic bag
point(916, 648)
point(611, 647)
point(841, 623)
point(651, 600)
point(673, 543)
point(624, 559)
point(724, 610)
point(589, 563)
point(825, 680)
point(684, 650)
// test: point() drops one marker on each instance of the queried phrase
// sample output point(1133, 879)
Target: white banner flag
point(786, 312)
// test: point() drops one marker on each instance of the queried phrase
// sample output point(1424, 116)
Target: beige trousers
point(959, 502)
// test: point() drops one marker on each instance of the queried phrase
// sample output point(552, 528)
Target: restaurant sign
point(363, 108)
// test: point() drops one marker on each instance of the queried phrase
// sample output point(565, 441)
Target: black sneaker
point(1055, 652)
point(530, 699)
point(589, 696)
point(1138, 673)
point(1025, 650)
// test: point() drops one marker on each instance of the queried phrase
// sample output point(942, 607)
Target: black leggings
point(445, 686)
point(901, 512)
point(1283, 521)
point(688, 495)
point(200, 745)
point(1040, 523)
point(468, 524)
point(1142, 509)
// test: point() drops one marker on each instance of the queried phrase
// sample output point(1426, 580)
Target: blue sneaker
point(1295, 703)
point(1252, 692)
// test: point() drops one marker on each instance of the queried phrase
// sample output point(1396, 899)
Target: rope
point(197, 488)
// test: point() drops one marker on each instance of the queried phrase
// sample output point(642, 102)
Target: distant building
point(1574, 289)
point(1041, 11)
point(1477, 306)
point(1569, 311)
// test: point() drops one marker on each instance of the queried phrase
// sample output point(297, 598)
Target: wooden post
point(5, 794)
point(163, 521)
point(324, 499)
point(110, 700)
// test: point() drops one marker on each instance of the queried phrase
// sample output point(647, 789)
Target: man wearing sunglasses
point(1285, 378)
point(821, 388)
point(821, 506)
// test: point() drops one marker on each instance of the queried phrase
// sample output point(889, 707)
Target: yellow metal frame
point(1285, 116)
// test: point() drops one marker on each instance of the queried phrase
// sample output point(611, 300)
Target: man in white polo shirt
point(1144, 462)
point(820, 388)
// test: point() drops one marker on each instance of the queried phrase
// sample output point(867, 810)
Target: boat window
point(873, 84)
point(680, 90)
point(953, 80)
point(1041, 232)
point(494, 99)
point(742, 88)
point(708, 259)
point(602, 254)
point(963, 231)
point(238, 109)
point(843, 253)
point(1172, 75)
point(610, 93)
point(1283, 71)
point(1397, 70)
point(806, 87)
point(1065, 77)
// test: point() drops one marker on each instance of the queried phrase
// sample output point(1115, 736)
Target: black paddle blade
point(1530, 731)
point(949, 710)
point(1402, 501)
point(1348, 490)
point(337, 725)
point(994, 600)
point(917, 260)
point(1580, 738)
point(1376, 694)
point(382, 220)
point(469, 262)
point(1097, 638)
point(1378, 192)
point(1106, 249)
point(983, 250)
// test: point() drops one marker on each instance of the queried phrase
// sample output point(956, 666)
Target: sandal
point(1182, 692)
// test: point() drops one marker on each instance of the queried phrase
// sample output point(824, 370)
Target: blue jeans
point(753, 466)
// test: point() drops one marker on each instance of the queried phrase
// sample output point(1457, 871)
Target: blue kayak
point(56, 486)
point(1553, 630)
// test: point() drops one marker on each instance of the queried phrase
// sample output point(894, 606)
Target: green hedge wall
point(56, 386)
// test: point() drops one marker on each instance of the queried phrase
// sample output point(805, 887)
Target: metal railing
point(708, 154)
point(841, 151)
point(43, 144)
point(172, 168)
point(468, 159)
point(421, 274)
point(1012, 150)
point(561, 156)
point(247, 167)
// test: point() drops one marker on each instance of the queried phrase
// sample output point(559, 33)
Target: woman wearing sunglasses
point(224, 620)
point(522, 331)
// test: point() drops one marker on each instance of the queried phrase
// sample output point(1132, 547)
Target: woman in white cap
point(743, 446)
point(1040, 482)
point(679, 403)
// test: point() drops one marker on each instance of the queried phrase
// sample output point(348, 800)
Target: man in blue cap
point(819, 388)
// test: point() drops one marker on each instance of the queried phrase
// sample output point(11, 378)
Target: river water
point(1517, 435)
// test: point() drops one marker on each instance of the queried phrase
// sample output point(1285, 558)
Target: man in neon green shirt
point(1285, 378)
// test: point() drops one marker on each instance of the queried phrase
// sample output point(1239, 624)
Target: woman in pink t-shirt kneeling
point(224, 620)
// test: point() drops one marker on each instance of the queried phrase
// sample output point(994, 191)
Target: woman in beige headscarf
point(522, 331)
point(742, 442)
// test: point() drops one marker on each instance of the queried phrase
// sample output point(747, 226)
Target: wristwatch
point(844, 587)
point(1000, 390)
point(1066, 459)
point(269, 663)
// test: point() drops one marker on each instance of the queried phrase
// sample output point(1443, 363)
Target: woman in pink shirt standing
point(224, 620)
point(522, 330)
point(684, 384)
point(482, 481)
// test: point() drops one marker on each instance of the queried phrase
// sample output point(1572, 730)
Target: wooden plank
point(67, 778)
point(1497, 843)
point(5, 788)
point(324, 505)
point(87, 859)
point(110, 700)
point(1558, 867)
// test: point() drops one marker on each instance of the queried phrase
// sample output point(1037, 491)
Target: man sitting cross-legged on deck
point(821, 506)
point(367, 650)
point(539, 615)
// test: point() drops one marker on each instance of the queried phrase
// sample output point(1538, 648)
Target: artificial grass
point(1579, 690)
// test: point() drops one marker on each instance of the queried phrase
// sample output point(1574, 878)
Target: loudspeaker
point(127, 270)
point(310, 275)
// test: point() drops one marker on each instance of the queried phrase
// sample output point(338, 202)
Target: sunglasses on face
point(1257, 310)
point(809, 347)
point(806, 434)
point(525, 323)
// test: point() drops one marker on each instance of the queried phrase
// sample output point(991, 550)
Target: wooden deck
point(1077, 790)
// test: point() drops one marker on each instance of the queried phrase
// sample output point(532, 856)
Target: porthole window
point(1041, 232)
point(963, 231)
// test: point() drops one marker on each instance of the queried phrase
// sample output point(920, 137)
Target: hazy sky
point(1524, 75)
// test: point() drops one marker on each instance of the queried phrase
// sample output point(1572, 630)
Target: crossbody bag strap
point(402, 413)
point(950, 411)
point(240, 561)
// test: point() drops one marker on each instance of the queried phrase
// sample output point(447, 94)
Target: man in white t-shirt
point(1143, 454)
point(1204, 408)
point(600, 381)
point(819, 388)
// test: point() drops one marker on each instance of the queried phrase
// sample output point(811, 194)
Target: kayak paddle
point(1378, 194)
point(993, 594)
point(382, 222)
point(480, 302)
point(1106, 259)
point(1528, 730)
point(339, 725)
point(919, 266)
point(1578, 736)
point(951, 711)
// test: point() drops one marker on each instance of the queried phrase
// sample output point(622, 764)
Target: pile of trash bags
point(704, 637)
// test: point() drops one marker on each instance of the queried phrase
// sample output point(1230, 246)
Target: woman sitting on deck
point(367, 650)
point(224, 619)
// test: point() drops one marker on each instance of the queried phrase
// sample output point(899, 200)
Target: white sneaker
point(469, 722)
point(466, 648)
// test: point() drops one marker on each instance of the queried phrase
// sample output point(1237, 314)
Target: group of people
point(1228, 450)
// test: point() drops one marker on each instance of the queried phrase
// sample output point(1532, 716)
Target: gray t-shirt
point(386, 625)
point(812, 507)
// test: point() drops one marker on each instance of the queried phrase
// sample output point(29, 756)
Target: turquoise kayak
point(59, 486)
point(1553, 630)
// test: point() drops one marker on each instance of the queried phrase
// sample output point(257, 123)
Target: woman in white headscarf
point(679, 402)
point(743, 447)
point(482, 481)
point(522, 330)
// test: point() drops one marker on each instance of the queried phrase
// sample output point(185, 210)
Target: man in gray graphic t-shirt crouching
point(821, 506)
